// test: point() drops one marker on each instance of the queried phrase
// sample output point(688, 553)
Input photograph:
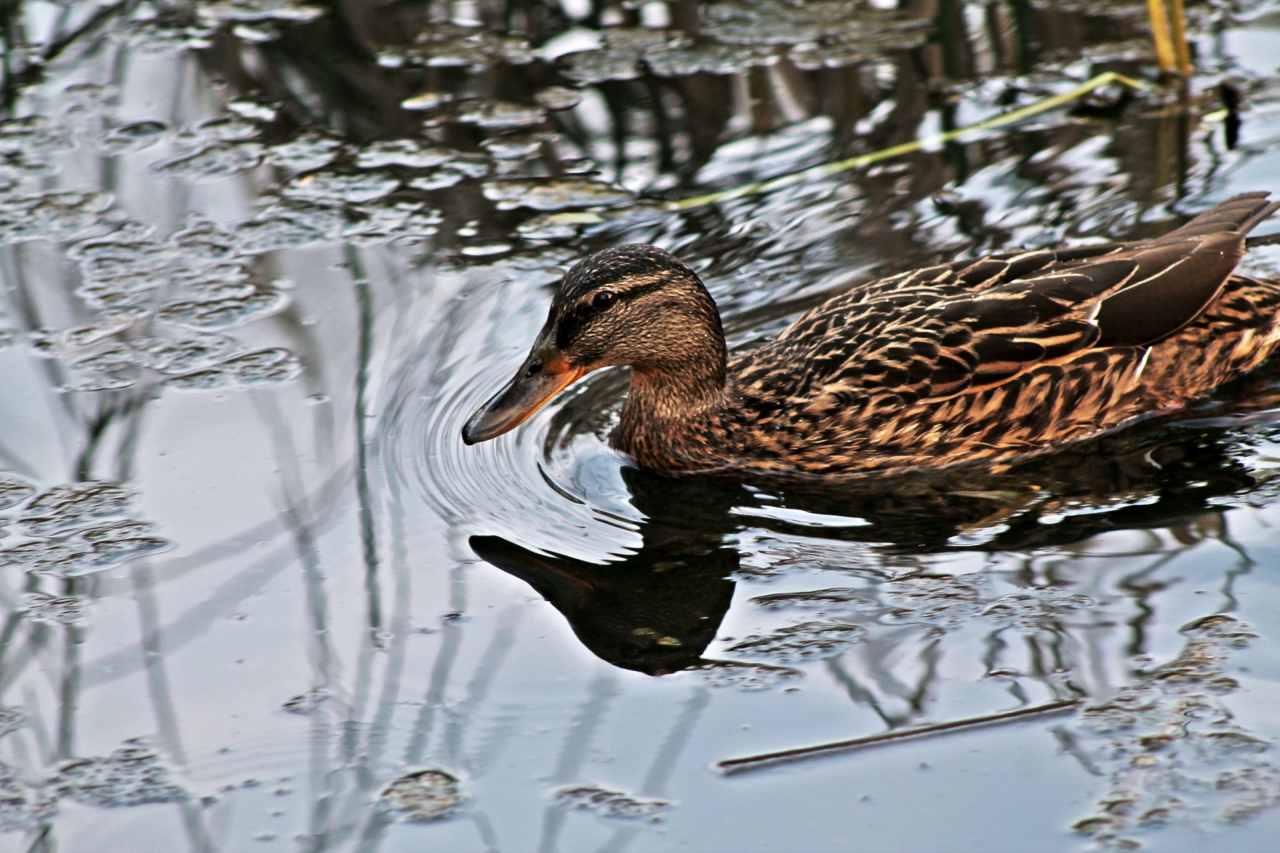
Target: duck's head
point(634, 305)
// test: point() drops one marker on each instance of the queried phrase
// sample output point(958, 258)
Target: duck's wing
point(993, 320)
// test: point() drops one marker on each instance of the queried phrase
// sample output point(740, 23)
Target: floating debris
point(223, 313)
point(64, 507)
point(555, 98)
point(745, 676)
point(804, 641)
point(274, 364)
point(307, 152)
point(424, 795)
point(11, 719)
point(554, 195)
point(402, 152)
point(134, 136)
point(1169, 735)
point(611, 804)
point(1034, 608)
point(22, 807)
point(215, 161)
point(426, 101)
point(500, 115)
point(944, 600)
point(132, 775)
point(13, 491)
point(86, 551)
point(820, 600)
point(454, 46)
point(53, 609)
point(307, 703)
point(331, 188)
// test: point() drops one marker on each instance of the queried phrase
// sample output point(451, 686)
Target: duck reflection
point(657, 610)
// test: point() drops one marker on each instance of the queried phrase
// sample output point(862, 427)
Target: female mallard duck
point(973, 361)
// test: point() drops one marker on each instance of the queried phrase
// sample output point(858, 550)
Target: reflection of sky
point(264, 595)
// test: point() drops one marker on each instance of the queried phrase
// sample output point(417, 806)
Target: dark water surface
point(260, 260)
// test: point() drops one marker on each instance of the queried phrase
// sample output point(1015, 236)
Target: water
point(260, 261)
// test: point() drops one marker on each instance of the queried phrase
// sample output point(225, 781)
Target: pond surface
point(261, 259)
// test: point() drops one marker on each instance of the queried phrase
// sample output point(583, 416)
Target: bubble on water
point(803, 641)
point(13, 491)
point(53, 609)
point(306, 152)
point(423, 795)
point(64, 507)
point(331, 188)
point(134, 136)
point(132, 775)
point(745, 676)
point(110, 368)
point(22, 807)
point(307, 703)
point(483, 250)
point(370, 224)
point(500, 115)
point(223, 313)
point(555, 98)
point(611, 804)
point(11, 719)
point(554, 195)
point(214, 162)
point(402, 152)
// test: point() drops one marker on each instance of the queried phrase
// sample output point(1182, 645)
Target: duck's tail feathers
point(1239, 214)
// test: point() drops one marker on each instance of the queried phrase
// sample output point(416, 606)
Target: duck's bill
point(522, 396)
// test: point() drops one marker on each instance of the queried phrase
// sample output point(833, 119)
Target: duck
point(980, 361)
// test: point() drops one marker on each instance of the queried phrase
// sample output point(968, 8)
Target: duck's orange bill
point(536, 382)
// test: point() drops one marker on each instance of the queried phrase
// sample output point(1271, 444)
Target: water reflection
point(259, 258)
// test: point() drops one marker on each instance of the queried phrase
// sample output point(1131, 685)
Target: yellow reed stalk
point(1165, 55)
point(1180, 46)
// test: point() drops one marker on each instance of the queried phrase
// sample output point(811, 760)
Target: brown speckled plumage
point(974, 361)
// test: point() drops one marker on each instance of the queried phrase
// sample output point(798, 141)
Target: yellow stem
point(1180, 38)
point(1160, 33)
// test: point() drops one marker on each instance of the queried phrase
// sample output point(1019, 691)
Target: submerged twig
point(767, 759)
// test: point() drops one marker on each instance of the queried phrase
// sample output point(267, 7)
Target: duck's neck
point(673, 407)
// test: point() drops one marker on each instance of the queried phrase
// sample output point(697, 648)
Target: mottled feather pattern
point(987, 359)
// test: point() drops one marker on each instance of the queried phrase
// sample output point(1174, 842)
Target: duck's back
point(1007, 355)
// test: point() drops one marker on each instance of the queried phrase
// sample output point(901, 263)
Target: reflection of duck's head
point(656, 614)
point(634, 305)
point(656, 610)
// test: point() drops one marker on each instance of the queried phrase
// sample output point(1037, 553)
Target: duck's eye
point(603, 299)
point(534, 368)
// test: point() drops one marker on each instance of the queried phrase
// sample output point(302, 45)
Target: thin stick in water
point(753, 762)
